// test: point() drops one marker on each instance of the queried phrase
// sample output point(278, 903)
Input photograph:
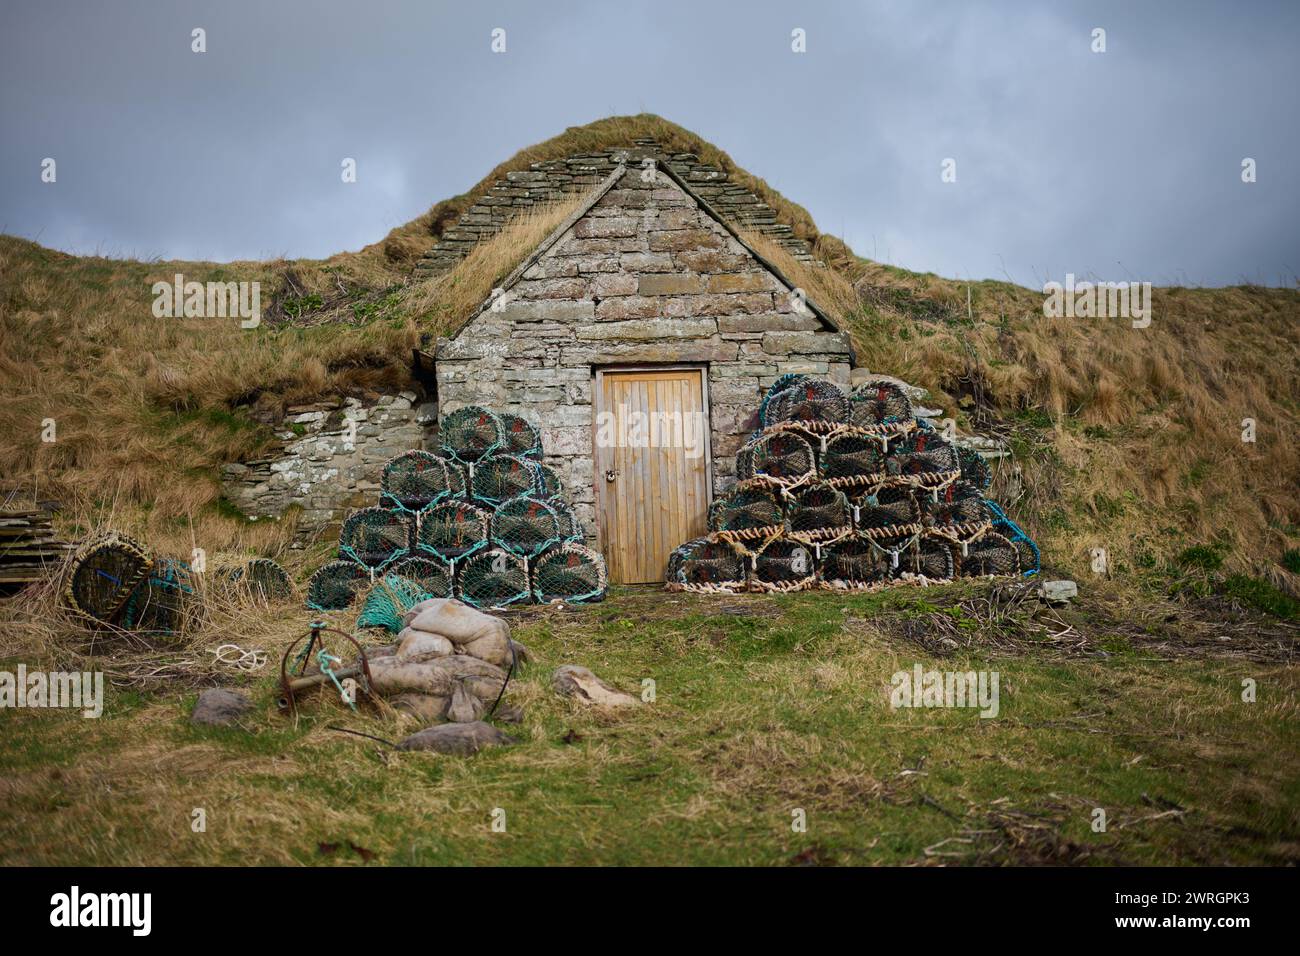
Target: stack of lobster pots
point(482, 520)
point(846, 491)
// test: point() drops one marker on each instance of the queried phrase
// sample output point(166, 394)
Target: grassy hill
point(1125, 439)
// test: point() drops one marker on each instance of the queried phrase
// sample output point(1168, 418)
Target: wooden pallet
point(29, 548)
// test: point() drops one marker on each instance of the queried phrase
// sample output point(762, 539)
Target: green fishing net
point(974, 468)
point(390, 598)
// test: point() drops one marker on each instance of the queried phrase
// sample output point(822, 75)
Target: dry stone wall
point(317, 469)
point(645, 276)
point(550, 180)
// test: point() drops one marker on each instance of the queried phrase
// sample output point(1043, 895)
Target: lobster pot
point(784, 565)
point(571, 572)
point(502, 477)
point(933, 557)
point(549, 483)
point(706, 564)
point(471, 433)
point(990, 553)
point(960, 504)
point(164, 602)
point(924, 453)
point(457, 478)
point(262, 578)
point(431, 575)
point(974, 469)
point(569, 525)
point(879, 403)
point(104, 573)
point(850, 562)
point(888, 508)
point(804, 400)
point(782, 456)
point(416, 479)
point(390, 599)
point(452, 530)
point(820, 507)
point(336, 585)
point(520, 437)
point(896, 554)
point(493, 578)
point(852, 455)
point(1026, 551)
point(748, 508)
point(376, 537)
point(525, 526)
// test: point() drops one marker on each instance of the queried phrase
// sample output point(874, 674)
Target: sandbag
point(459, 623)
point(391, 676)
point(418, 646)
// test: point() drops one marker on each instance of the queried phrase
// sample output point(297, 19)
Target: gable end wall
point(644, 277)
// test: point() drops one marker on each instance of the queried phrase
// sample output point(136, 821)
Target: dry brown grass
point(442, 303)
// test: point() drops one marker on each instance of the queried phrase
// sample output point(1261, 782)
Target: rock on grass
point(459, 739)
point(218, 707)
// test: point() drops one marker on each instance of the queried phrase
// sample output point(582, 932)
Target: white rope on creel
point(235, 656)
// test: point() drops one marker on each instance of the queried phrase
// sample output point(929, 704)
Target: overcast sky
point(1125, 164)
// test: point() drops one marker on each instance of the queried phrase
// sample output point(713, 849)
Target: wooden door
point(651, 446)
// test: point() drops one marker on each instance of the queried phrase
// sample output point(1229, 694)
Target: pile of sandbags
point(451, 662)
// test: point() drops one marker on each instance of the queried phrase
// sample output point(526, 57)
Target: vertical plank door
point(652, 492)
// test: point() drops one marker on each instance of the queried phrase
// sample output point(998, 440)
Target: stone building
point(640, 337)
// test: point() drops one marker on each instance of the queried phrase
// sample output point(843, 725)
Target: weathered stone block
point(613, 284)
point(744, 282)
point(806, 343)
point(640, 329)
point(768, 322)
point(669, 284)
point(684, 239)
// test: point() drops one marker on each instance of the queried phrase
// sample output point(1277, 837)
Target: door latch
point(611, 474)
